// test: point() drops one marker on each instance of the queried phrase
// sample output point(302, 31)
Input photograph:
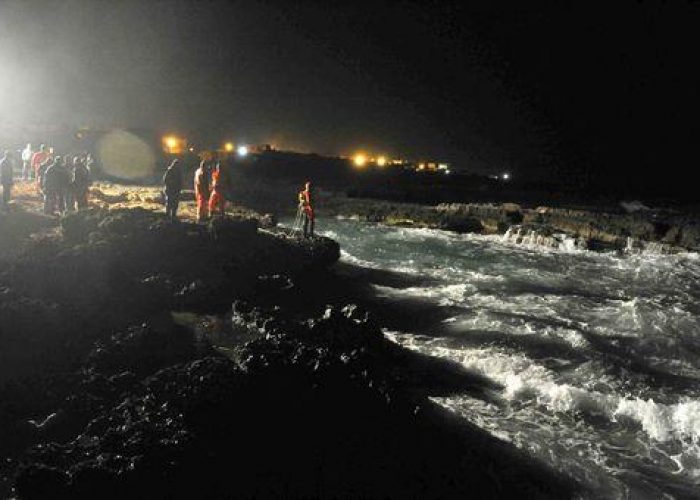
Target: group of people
point(211, 185)
point(63, 181)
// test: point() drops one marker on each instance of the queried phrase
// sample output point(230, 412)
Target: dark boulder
point(39, 482)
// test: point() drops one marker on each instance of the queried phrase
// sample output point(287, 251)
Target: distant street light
point(242, 150)
point(173, 145)
point(506, 176)
point(228, 147)
point(360, 160)
point(381, 161)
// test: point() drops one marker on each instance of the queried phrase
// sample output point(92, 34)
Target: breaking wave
point(597, 355)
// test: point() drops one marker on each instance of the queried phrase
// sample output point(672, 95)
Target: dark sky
point(611, 88)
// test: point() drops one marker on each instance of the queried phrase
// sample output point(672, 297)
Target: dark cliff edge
point(104, 393)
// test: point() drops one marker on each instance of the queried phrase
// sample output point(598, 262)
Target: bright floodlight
point(242, 150)
point(228, 147)
point(171, 142)
point(360, 160)
point(381, 161)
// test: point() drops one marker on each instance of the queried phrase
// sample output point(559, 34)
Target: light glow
point(173, 145)
point(242, 150)
point(381, 161)
point(360, 160)
point(228, 147)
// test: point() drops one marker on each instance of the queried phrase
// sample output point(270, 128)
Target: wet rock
point(94, 481)
point(40, 482)
point(459, 224)
point(308, 406)
point(17, 229)
point(46, 423)
point(602, 230)
point(140, 350)
point(689, 235)
point(268, 221)
point(77, 226)
point(229, 229)
point(63, 299)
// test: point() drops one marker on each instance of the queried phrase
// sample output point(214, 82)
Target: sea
point(592, 359)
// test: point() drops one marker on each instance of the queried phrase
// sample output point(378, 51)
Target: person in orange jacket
point(307, 208)
point(217, 201)
point(201, 191)
point(38, 159)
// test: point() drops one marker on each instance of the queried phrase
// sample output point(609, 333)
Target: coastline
point(610, 228)
point(109, 393)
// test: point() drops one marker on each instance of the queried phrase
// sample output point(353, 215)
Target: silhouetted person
point(172, 184)
point(80, 183)
point(69, 165)
point(201, 191)
point(217, 200)
point(90, 163)
point(307, 208)
point(54, 185)
point(27, 172)
point(7, 170)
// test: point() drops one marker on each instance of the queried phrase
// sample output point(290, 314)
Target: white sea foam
point(409, 234)
point(329, 234)
point(351, 259)
point(555, 328)
point(525, 380)
point(445, 295)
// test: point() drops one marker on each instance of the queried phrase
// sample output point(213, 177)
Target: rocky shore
point(106, 393)
point(642, 230)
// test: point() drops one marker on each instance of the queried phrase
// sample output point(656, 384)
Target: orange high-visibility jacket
point(305, 202)
point(215, 180)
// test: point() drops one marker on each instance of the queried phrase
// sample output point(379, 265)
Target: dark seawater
point(597, 356)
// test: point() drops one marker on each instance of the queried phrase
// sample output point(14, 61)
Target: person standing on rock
point(69, 164)
point(90, 163)
point(80, 183)
point(38, 159)
point(201, 191)
point(217, 201)
point(307, 209)
point(7, 167)
point(54, 185)
point(27, 172)
point(172, 183)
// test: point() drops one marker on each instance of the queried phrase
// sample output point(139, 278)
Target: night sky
point(532, 88)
